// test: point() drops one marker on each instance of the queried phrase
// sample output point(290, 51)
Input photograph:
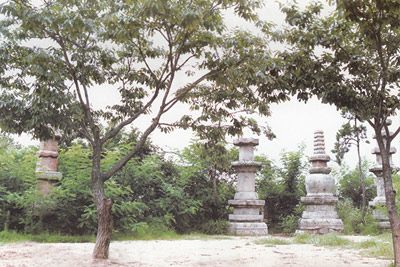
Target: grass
point(377, 247)
point(12, 237)
point(269, 242)
point(328, 240)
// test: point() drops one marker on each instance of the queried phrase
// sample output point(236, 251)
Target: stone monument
point(379, 202)
point(320, 214)
point(47, 165)
point(247, 217)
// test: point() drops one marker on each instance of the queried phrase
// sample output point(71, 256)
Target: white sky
point(292, 122)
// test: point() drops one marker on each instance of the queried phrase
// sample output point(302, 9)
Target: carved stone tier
point(247, 217)
point(320, 215)
point(47, 165)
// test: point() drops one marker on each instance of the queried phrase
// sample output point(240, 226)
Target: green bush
point(350, 185)
point(282, 188)
point(289, 223)
point(352, 219)
point(215, 227)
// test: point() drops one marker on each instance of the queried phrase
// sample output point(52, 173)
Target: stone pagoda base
point(246, 218)
point(320, 216)
point(380, 212)
point(248, 229)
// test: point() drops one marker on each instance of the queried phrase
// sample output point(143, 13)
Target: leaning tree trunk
point(103, 206)
point(390, 194)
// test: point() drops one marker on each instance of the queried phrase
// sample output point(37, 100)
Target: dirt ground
point(214, 252)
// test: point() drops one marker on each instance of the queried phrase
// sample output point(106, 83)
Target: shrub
point(290, 222)
point(350, 185)
point(352, 219)
point(282, 188)
point(215, 227)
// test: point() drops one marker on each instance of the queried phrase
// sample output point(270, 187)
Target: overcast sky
point(292, 122)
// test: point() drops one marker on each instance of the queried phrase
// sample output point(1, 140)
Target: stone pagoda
point(47, 165)
point(247, 217)
point(379, 202)
point(320, 214)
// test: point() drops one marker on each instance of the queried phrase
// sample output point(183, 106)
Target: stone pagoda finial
point(320, 159)
point(319, 142)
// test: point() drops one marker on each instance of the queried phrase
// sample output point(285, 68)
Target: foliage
point(16, 175)
point(215, 227)
point(349, 185)
point(349, 134)
point(289, 223)
point(353, 221)
point(281, 188)
point(349, 58)
point(136, 49)
point(152, 196)
point(350, 207)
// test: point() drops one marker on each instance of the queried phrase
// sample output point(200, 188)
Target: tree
point(349, 58)
point(351, 134)
point(58, 55)
point(282, 187)
point(215, 159)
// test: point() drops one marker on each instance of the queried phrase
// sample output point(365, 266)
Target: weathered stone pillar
point(47, 165)
point(320, 214)
point(379, 202)
point(247, 217)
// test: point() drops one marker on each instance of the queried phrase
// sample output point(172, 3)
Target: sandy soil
point(225, 252)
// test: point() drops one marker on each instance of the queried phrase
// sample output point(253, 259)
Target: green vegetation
point(380, 246)
point(344, 57)
point(377, 246)
point(350, 207)
point(328, 240)
point(271, 241)
point(282, 188)
point(12, 236)
point(153, 195)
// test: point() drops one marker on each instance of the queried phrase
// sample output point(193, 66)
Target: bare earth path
point(225, 252)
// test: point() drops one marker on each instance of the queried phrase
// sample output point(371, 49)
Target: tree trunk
point(390, 195)
point(362, 183)
point(103, 206)
point(104, 230)
point(7, 221)
point(213, 177)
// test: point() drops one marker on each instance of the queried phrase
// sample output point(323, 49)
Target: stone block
point(246, 217)
point(248, 229)
point(246, 196)
point(319, 199)
point(320, 225)
point(246, 202)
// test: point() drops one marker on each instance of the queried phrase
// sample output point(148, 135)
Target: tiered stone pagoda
point(320, 214)
point(379, 202)
point(47, 166)
point(247, 217)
